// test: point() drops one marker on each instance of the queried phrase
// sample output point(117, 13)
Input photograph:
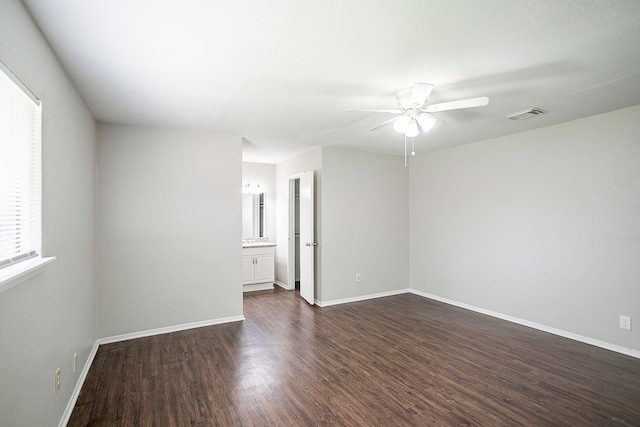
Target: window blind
point(20, 171)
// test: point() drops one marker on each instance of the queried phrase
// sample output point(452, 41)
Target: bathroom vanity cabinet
point(258, 267)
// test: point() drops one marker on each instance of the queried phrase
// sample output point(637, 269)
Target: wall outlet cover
point(625, 322)
point(57, 380)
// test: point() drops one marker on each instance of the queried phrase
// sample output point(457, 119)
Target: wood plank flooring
point(397, 361)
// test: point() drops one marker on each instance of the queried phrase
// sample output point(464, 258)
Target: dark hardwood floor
point(397, 361)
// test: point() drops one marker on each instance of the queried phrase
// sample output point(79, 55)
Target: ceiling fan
point(414, 111)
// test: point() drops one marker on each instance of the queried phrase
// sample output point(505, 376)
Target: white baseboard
point(602, 344)
point(257, 287)
point(282, 285)
point(76, 391)
point(168, 329)
point(360, 298)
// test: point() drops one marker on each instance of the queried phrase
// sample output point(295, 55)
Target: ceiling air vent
point(525, 114)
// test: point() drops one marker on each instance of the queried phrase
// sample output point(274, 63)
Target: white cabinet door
point(258, 265)
point(263, 271)
point(247, 270)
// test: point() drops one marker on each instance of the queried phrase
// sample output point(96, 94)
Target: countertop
point(257, 244)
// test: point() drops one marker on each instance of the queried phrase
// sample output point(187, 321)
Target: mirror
point(252, 216)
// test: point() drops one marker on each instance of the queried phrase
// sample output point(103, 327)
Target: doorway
point(296, 232)
point(301, 270)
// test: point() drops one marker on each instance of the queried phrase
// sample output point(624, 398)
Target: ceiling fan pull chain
point(405, 151)
point(413, 146)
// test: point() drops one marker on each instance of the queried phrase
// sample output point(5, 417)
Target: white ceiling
point(282, 73)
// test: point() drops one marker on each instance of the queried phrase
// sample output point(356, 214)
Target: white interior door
point(307, 238)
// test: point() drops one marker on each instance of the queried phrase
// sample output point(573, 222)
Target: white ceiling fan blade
point(455, 105)
point(375, 111)
point(386, 122)
point(420, 93)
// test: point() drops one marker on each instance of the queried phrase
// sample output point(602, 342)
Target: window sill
point(18, 273)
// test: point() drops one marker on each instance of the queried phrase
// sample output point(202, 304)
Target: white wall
point(365, 230)
point(543, 225)
point(48, 318)
point(265, 175)
point(310, 160)
point(169, 228)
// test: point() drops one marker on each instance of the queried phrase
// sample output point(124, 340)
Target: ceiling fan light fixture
point(426, 122)
point(412, 129)
point(414, 112)
point(400, 125)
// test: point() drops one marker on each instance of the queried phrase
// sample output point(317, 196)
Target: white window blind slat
point(20, 171)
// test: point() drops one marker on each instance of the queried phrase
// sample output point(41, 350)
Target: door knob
point(311, 244)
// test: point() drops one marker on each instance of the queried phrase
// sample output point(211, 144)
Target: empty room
point(271, 213)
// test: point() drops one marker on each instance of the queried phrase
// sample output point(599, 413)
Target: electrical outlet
point(358, 277)
point(625, 322)
point(57, 380)
point(75, 362)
